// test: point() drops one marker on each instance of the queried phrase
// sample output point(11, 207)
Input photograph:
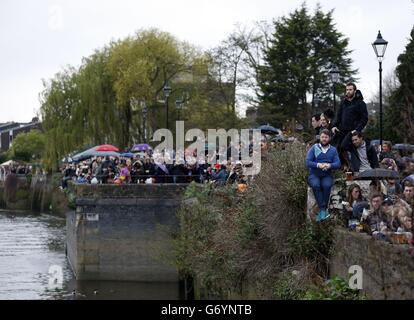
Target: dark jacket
point(371, 155)
point(352, 115)
point(373, 222)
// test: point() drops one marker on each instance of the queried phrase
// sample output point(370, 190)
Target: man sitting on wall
point(362, 154)
point(322, 158)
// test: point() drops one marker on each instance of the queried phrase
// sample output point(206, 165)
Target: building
point(9, 131)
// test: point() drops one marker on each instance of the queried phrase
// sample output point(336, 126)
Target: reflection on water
point(31, 244)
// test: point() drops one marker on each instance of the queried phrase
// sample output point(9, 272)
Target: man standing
point(322, 158)
point(316, 123)
point(352, 116)
point(363, 154)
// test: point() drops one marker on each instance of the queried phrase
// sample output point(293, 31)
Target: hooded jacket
point(352, 115)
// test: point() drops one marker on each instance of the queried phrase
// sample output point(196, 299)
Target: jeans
point(321, 187)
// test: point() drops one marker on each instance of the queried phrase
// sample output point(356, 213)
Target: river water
point(33, 246)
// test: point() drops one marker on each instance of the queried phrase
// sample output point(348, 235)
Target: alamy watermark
point(56, 21)
point(55, 278)
point(356, 279)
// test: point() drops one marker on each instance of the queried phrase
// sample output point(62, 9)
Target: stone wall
point(388, 270)
point(123, 232)
point(37, 193)
point(15, 193)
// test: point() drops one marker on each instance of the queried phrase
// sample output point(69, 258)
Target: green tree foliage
point(3, 157)
point(398, 119)
point(28, 146)
point(102, 100)
point(297, 64)
point(400, 115)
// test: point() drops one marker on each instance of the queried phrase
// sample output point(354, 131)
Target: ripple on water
point(30, 245)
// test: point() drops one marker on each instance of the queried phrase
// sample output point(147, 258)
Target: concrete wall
point(122, 232)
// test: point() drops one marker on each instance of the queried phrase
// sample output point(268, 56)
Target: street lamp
point(380, 45)
point(167, 92)
point(316, 101)
point(179, 103)
point(334, 74)
point(144, 117)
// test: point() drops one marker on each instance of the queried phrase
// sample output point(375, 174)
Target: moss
point(22, 194)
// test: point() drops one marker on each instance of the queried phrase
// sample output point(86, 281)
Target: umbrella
point(93, 153)
point(127, 155)
point(403, 146)
point(9, 163)
point(377, 174)
point(141, 147)
point(107, 147)
point(269, 129)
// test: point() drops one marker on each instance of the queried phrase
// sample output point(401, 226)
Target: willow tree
point(93, 104)
point(141, 66)
point(60, 99)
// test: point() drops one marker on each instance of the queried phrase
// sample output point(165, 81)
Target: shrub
point(334, 289)
point(228, 239)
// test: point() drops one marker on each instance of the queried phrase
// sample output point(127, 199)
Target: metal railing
point(159, 179)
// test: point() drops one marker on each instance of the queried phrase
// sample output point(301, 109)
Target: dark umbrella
point(127, 155)
point(93, 153)
point(403, 146)
point(377, 174)
point(268, 129)
point(141, 147)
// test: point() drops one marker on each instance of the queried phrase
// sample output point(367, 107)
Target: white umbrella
point(8, 163)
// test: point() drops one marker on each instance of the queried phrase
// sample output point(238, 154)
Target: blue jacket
point(220, 176)
point(315, 156)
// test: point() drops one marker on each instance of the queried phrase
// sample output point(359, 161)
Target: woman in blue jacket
point(321, 160)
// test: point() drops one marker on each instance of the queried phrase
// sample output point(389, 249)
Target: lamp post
point(380, 45)
point(334, 74)
point(167, 92)
point(179, 105)
point(144, 117)
point(316, 101)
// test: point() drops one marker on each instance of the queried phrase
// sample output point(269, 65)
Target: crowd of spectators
point(386, 211)
point(15, 168)
point(143, 169)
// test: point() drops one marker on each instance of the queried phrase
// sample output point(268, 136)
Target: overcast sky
point(38, 38)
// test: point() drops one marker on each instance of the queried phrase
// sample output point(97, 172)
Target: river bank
point(32, 243)
point(39, 193)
